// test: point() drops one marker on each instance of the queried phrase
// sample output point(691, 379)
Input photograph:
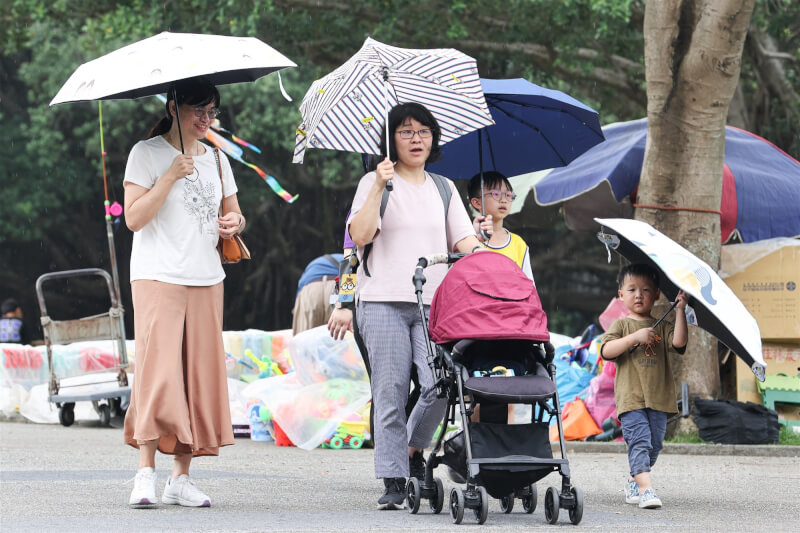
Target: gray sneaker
point(394, 497)
point(649, 500)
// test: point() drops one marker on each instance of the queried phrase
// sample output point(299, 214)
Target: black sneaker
point(394, 496)
point(416, 466)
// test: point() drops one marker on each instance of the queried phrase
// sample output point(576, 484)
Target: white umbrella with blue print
point(347, 109)
point(712, 304)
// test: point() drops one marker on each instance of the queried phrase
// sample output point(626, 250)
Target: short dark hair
point(191, 91)
point(638, 269)
point(8, 305)
point(420, 113)
point(491, 179)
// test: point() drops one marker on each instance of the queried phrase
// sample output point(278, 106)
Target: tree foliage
point(51, 212)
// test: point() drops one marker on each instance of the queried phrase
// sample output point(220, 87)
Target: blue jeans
point(643, 431)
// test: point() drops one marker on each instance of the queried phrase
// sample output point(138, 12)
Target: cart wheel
point(105, 414)
point(413, 495)
point(437, 502)
point(336, 443)
point(66, 414)
point(507, 503)
point(529, 500)
point(457, 505)
point(356, 443)
point(551, 505)
point(576, 512)
point(482, 511)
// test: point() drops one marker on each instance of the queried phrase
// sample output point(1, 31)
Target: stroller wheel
point(576, 512)
point(529, 499)
point(457, 505)
point(507, 503)
point(437, 502)
point(482, 511)
point(413, 495)
point(551, 505)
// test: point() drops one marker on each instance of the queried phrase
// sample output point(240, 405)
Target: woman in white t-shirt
point(179, 403)
point(413, 225)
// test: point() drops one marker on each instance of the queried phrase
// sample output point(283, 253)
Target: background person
point(12, 326)
point(413, 225)
point(179, 404)
point(644, 388)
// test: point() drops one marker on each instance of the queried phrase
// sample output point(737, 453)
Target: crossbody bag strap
point(221, 182)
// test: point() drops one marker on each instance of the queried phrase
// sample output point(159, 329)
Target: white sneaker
point(182, 491)
point(144, 488)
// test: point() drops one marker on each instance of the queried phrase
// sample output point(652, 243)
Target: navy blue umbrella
point(535, 128)
point(760, 184)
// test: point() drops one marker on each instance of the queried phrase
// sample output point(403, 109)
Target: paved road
point(73, 479)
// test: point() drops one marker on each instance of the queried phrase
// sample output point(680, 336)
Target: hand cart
point(107, 400)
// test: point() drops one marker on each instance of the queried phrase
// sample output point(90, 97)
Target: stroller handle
point(429, 260)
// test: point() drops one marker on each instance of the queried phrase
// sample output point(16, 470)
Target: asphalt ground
point(54, 478)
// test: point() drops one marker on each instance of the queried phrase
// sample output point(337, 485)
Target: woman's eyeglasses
point(504, 195)
point(409, 134)
point(201, 112)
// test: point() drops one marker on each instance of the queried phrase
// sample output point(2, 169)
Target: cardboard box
point(783, 358)
point(765, 276)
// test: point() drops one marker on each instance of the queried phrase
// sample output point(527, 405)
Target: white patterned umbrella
point(346, 109)
point(712, 304)
point(149, 66)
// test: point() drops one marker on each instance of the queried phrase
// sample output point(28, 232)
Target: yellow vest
point(515, 249)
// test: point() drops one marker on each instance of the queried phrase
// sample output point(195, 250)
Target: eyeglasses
point(201, 112)
point(505, 195)
point(409, 134)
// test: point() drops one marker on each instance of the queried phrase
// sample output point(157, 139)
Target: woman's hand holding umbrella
point(384, 171)
point(182, 166)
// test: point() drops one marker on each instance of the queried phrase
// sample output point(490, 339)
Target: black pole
point(177, 116)
point(484, 234)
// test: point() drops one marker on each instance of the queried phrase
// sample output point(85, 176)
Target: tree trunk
point(692, 55)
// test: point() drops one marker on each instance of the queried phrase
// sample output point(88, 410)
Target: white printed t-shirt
point(179, 244)
point(412, 226)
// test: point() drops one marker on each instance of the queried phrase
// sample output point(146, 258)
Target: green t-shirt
point(644, 378)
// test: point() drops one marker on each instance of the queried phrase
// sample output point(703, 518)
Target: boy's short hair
point(638, 269)
point(491, 179)
point(8, 305)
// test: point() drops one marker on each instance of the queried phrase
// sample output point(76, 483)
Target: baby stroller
point(485, 319)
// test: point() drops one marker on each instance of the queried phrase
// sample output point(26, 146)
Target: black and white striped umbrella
point(346, 109)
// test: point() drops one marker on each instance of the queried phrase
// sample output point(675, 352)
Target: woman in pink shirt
point(413, 225)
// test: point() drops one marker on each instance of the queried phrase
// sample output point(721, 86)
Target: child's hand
point(484, 223)
point(682, 299)
point(644, 336)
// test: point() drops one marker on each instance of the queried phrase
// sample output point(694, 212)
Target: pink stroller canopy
point(486, 296)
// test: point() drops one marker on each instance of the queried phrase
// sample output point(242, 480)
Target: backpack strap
point(444, 191)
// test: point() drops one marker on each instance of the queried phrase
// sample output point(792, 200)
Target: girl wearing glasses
point(496, 199)
point(413, 225)
point(179, 403)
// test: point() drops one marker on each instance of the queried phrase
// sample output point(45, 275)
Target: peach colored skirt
point(180, 388)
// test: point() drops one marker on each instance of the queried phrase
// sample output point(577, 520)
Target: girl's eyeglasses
point(201, 112)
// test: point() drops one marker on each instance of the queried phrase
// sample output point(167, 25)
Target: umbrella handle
point(657, 322)
point(389, 184)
